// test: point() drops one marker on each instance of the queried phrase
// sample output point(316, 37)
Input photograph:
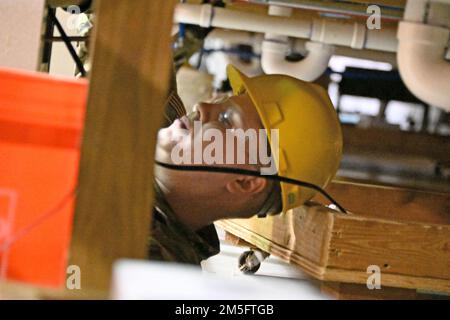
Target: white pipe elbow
point(421, 62)
point(309, 69)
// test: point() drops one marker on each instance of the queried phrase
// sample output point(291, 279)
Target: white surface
point(163, 281)
point(62, 62)
point(20, 32)
point(226, 264)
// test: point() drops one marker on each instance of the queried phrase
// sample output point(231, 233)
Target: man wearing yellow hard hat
point(189, 198)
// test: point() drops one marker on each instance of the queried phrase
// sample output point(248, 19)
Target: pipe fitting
point(319, 30)
point(280, 11)
point(194, 14)
point(206, 14)
point(421, 62)
point(309, 69)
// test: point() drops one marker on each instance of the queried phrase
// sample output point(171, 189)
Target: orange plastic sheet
point(41, 121)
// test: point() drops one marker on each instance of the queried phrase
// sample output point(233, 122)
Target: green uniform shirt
point(170, 240)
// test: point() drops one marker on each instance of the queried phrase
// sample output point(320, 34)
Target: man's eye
point(225, 118)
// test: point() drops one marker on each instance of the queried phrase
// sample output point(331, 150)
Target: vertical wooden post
point(129, 82)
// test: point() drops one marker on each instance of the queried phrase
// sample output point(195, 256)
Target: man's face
point(187, 139)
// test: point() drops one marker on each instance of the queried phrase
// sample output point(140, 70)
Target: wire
point(68, 44)
point(72, 194)
point(253, 174)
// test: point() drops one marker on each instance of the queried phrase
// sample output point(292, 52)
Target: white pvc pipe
point(309, 69)
point(420, 59)
point(274, 50)
point(375, 55)
point(415, 11)
point(207, 16)
point(327, 31)
point(219, 38)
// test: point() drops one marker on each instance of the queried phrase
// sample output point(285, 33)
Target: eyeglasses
point(231, 118)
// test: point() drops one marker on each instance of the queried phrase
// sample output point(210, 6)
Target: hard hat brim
point(238, 80)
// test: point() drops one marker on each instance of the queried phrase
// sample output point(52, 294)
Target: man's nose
point(206, 111)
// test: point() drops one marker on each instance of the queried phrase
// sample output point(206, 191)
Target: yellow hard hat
point(310, 136)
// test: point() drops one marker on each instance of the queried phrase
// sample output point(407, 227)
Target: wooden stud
point(129, 82)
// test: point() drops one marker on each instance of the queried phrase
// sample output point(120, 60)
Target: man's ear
point(246, 185)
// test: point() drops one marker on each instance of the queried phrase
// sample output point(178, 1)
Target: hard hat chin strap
point(273, 203)
point(252, 173)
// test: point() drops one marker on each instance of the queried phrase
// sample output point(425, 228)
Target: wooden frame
point(332, 246)
point(376, 141)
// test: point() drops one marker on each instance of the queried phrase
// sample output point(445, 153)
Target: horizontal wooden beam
point(10, 290)
point(388, 202)
point(352, 291)
point(332, 246)
point(376, 141)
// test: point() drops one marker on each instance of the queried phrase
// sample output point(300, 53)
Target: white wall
point(20, 31)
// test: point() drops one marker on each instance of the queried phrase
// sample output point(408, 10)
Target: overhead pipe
point(421, 52)
point(345, 8)
point(309, 69)
point(328, 31)
point(298, 45)
point(231, 37)
point(275, 48)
